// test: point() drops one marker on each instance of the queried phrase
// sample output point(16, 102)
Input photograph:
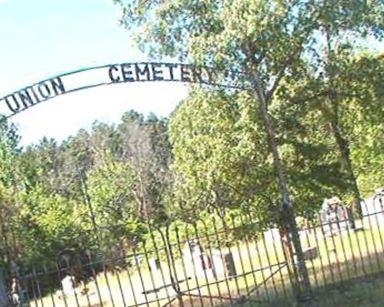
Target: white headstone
point(68, 284)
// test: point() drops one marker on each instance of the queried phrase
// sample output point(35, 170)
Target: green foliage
point(291, 52)
point(314, 120)
point(9, 176)
point(49, 224)
point(96, 190)
point(221, 159)
point(116, 214)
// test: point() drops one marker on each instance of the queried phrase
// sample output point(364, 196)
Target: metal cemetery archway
point(91, 77)
point(87, 78)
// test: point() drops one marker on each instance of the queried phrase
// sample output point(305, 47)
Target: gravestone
point(216, 264)
point(201, 262)
point(68, 285)
point(154, 264)
point(310, 253)
point(334, 216)
point(223, 264)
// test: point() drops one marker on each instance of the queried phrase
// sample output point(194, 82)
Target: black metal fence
point(219, 262)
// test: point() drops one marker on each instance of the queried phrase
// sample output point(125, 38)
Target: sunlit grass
point(342, 257)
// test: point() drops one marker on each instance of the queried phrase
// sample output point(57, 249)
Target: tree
point(9, 152)
point(49, 224)
point(222, 162)
point(271, 41)
point(220, 157)
point(144, 145)
point(338, 89)
point(110, 191)
point(361, 116)
point(101, 187)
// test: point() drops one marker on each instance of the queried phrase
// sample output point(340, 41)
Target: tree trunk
point(342, 142)
point(302, 284)
point(343, 147)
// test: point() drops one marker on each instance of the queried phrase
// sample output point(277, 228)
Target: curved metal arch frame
point(130, 72)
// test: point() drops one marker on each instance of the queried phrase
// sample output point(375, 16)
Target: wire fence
point(219, 262)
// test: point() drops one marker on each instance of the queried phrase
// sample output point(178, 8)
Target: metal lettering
point(47, 92)
point(14, 108)
point(185, 73)
point(197, 75)
point(25, 98)
point(58, 86)
point(171, 67)
point(111, 76)
point(156, 73)
point(37, 99)
point(116, 73)
point(211, 75)
point(126, 69)
point(142, 72)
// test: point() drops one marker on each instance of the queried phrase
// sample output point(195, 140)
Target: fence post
point(351, 218)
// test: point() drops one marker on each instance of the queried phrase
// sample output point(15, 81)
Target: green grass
point(360, 292)
point(346, 259)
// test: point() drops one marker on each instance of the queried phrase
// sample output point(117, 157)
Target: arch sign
point(86, 78)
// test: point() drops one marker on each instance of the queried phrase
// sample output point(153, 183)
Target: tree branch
point(280, 75)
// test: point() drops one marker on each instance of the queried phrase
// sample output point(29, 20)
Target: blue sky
point(43, 38)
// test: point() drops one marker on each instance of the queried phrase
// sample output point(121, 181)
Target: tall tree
point(220, 157)
point(9, 186)
point(271, 41)
point(110, 186)
point(361, 117)
point(144, 145)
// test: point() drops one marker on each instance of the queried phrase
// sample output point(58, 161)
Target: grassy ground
point(336, 275)
point(360, 292)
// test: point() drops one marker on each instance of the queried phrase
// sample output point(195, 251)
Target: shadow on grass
point(363, 291)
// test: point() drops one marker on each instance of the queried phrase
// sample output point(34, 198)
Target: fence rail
point(223, 263)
